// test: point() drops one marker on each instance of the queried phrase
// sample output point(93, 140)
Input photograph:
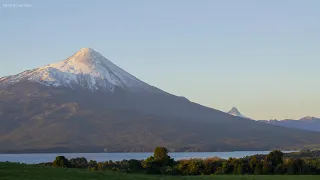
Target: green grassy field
point(9, 171)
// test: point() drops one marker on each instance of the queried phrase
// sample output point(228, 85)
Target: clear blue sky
point(260, 56)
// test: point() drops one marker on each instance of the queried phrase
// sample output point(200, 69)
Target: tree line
point(161, 163)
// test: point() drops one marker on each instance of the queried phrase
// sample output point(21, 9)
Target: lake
point(49, 157)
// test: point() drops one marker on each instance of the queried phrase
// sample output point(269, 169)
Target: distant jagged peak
point(235, 112)
point(234, 109)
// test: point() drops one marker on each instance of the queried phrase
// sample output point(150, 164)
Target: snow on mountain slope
point(86, 69)
point(235, 112)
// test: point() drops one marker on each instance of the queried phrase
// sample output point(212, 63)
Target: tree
point(79, 162)
point(275, 157)
point(267, 168)
point(161, 157)
point(134, 165)
point(150, 165)
point(279, 169)
point(182, 166)
point(61, 161)
point(219, 171)
point(240, 169)
point(211, 165)
point(196, 167)
point(299, 164)
point(161, 154)
point(93, 165)
point(169, 170)
point(100, 166)
point(295, 166)
point(253, 163)
point(229, 166)
point(257, 169)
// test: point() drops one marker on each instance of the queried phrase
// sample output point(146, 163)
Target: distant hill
point(306, 123)
point(88, 104)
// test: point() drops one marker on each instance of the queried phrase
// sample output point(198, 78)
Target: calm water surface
point(49, 157)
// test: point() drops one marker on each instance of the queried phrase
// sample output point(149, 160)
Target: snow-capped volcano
point(86, 69)
point(235, 112)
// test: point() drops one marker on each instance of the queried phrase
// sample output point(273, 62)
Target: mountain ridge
point(40, 117)
point(305, 123)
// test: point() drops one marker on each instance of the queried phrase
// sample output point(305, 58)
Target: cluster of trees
point(162, 163)
point(305, 153)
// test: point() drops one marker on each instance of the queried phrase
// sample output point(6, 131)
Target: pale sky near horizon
point(261, 56)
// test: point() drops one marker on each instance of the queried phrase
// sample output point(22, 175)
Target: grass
point(11, 171)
